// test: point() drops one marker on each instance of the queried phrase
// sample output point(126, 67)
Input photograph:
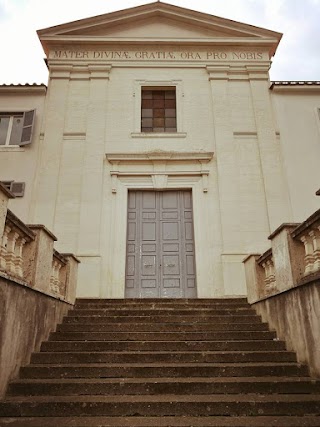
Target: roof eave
point(19, 88)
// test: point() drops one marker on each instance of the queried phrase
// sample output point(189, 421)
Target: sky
point(297, 58)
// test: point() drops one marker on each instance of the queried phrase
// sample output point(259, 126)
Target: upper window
point(16, 128)
point(158, 109)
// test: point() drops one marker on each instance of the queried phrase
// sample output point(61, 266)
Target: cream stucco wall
point(91, 113)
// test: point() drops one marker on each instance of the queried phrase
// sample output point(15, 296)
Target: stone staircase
point(200, 362)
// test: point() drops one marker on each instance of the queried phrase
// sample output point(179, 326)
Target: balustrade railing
point(15, 236)
point(58, 276)
point(294, 258)
point(28, 257)
point(309, 234)
point(266, 262)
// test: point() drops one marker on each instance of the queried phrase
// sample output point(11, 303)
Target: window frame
point(25, 131)
point(163, 96)
point(158, 84)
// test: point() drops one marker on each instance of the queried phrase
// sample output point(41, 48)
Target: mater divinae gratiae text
point(122, 55)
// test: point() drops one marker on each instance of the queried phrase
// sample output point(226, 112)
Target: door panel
point(160, 246)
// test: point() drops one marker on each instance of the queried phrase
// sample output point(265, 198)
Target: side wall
point(295, 315)
point(26, 319)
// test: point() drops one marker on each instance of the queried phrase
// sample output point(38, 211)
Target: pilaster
point(225, 154)
point(275, 186)
point(51, 144)
point(92, 174)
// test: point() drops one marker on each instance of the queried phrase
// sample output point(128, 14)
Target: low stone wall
point(295, 315)
point(27, 317)
point(37, 288)
point(283, 285)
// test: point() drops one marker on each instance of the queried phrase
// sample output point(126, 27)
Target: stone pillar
point(225, 154)
point(226, 158)
point(52, 145)
point(74, 146)
point(92, 177)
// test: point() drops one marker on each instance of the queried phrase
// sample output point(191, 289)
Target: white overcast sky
point(297, 58)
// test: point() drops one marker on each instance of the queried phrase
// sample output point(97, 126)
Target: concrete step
point(161, 386)
point(163, 304)
point(92, 319)
point(198, 312)
point(162, 363)
point(161, 301)
point(169, 356)
point(94, 346)
point(159, 405)
point(161, 370)
point(162, 336)
point(184, 421)
point(156, 327)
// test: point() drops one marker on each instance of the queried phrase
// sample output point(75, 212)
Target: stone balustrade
point(28, 257)
point(293, 258)
point(309, 234)
point(283, 288)
point(266, 261)
point(15, 236)
point(57, 278)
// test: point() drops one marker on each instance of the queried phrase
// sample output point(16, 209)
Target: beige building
point(161, 154)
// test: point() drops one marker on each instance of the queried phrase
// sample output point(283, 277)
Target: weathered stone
point(27, 318)
point(168, 377)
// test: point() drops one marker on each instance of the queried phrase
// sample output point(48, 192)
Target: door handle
point(170, 265)
point(148, 265)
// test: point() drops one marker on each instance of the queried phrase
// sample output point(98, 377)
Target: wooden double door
point(160, 257)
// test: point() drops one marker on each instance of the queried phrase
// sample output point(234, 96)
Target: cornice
point(123, 167)
point(216, 41)
point(116, 158)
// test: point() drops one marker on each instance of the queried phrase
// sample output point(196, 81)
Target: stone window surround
point(178, 85)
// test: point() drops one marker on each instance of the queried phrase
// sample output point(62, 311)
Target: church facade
point(160, 153)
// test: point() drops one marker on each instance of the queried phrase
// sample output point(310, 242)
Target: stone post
point(254, 278)
point(288, 256)
point(5, 195)
point(71, 277)
point(38, 263)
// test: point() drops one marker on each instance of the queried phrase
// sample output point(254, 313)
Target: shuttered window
point(158, 109)
point(16, 128)
point(17, 188)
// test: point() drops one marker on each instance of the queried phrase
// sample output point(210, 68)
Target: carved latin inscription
point(159, 55)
